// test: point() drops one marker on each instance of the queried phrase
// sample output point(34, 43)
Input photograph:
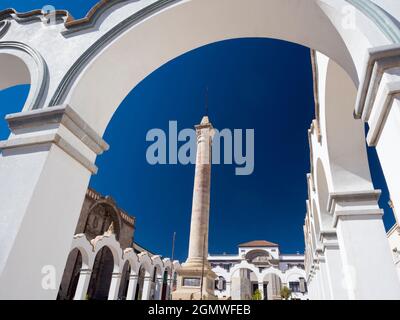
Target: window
point(294, 286)
point(220, 284)
point(191, 282)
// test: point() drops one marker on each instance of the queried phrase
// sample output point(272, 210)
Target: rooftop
point(258, 243)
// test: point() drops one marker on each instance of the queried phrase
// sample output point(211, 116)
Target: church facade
point(259, 268)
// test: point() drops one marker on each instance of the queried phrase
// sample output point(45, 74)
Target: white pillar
point(83, 284)
point(158, 287)
point(368, 264)
point(228, 289)
point(45, 169)
point(335, 286)
point(132, 286)
point(114, 286)
point(323, 277)
point(147, 284)
point(261, 289)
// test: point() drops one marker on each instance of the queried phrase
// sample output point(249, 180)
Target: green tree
point(286, 293)
point(256, 295)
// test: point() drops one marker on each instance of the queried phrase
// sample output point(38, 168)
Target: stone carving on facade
point(4, 25)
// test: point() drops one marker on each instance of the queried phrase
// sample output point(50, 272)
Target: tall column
point(83, 284)
point(198, 242)
point(45, 167)
point(196, 280)
point(367, 260)
point(114, 286)
point(133, 282)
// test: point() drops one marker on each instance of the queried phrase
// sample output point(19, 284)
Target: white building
point(258, 265)
point(394, 241)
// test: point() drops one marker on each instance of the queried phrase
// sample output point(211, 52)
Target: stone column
point(114, 286)
point(193, 270)
point(132, 286)
point(335, 287)
point(323, 281)
point(367, 260)
point(45, 167)
point(158, 288)
point(198, 242)
point(147, 284)
point(83, 284)
point(261, 289)
point(378, 104)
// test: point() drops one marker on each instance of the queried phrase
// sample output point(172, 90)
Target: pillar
point(158, 287)
point(228, 289)
point(45, 167)
point(323, 282)
point(335, 286)
point(198, 242)
point(133, 282)
point(367, 260)
point(378, 104)
point(83, 284)
point(196, 269)
point(261, 289)
point(114, 286)
point(147, 286)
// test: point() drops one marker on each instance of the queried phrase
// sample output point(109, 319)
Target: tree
point(286, 293)
point(256, 295)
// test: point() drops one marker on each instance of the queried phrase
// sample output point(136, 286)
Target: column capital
point(116, 275)
point(328, 240)
point(59, 125)
point(354, 204)
point(377, 61)
point(86, 271)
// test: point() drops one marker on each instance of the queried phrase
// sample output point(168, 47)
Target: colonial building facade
point(105, 262)
point(258, 265)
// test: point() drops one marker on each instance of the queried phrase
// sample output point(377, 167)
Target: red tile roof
point(258, 243)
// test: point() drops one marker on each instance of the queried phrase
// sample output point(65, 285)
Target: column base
point(189, 282)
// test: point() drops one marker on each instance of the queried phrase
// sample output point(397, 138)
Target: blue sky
point(246, 80)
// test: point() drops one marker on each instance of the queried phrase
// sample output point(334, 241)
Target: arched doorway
point(71, 275)
point(100, 280)
point(140, 284)
point(165, 285)
point(244, 284)
point(123, 287)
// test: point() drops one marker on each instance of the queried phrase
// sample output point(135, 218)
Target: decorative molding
point(378, 60)
point(66, 83)
point(52, 119)
point(358, 204)
point(41, 69)
point(37, 15)
point(91, 18)
point(391, 91)
point(64, 115)
point(49, 139)
point(4, 25)
point(379, 17)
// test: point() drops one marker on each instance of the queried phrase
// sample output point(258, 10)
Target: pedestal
point(189, 283)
